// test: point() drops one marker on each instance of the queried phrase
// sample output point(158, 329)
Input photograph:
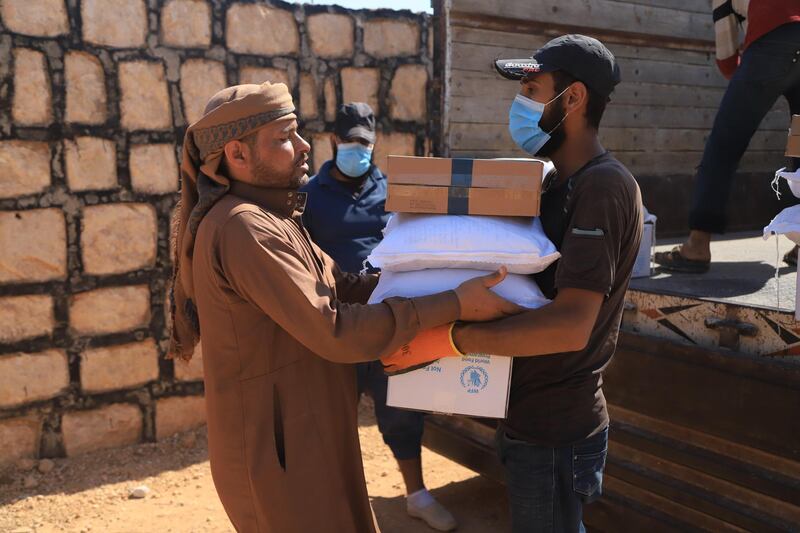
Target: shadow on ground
point(479, 504)
point(724, 280)
point(72, 475)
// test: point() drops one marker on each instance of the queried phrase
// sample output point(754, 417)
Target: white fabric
point(642, 266)
point(792, 178)
point(520, 289)
point(417, 242)
point(787, 222)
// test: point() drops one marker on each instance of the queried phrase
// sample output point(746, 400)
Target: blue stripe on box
point(457, 200)
point(460, 182)
point(461, 173)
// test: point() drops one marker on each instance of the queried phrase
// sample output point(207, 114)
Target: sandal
point(674, 261)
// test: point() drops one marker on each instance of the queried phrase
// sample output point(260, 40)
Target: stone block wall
point(95, 96)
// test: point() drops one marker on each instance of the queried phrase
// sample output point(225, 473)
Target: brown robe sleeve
point(263, 266)
point(350, 288)
point(354, 288)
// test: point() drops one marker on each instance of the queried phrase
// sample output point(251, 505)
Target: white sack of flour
point(417, 242)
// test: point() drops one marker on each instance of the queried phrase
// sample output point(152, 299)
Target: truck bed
point(742, 273)
point(738, 306)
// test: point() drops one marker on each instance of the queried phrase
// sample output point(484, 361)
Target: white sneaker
point(434, 514)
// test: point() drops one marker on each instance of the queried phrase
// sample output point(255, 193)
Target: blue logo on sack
point(474, 379)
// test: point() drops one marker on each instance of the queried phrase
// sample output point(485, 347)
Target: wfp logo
point(474, 379)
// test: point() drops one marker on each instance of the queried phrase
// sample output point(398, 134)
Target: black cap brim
point(360, 132)
point(516, 69)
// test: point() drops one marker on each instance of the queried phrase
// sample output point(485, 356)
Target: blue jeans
point(401, 429)
point(769, 68)
point(547, 487)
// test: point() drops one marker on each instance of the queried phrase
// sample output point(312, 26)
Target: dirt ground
point(91, 493)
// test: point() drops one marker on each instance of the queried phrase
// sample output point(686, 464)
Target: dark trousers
point(401, 429)
point(548, 487)
point(769, 68)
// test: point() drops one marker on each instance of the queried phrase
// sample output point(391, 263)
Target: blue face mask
point(353, 159)
point(523, 123)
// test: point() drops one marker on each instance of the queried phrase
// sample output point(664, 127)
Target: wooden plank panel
point(480, 58)
point(756, 461)
point(604, 14)
point(695, 387)
point(480, 137)
point(670, 163)
point(528, 42)
point(478, 90)
point(679, 117)
point(641, 510)
point(494, 110)
point(497, 137)
point(667, 95)
point(482, 85)
point(695, 6)
point(647, 70)
point(675, 140)
point(503, 39)
point(466, 84)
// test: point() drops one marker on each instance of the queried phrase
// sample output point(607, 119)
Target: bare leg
point(698, 246)
point(411, 470)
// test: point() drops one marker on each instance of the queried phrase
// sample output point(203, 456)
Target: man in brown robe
point(278, 319)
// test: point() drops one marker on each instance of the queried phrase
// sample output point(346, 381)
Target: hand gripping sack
point(417, 242)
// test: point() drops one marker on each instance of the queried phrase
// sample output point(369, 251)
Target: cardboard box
point(499, 187)
point(795, 125)
point(473, 385)
point(462, 201)
point(464, 172)
point(793, 146)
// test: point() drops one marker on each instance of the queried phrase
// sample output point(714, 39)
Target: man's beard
point(553, 123)
point(266, 176)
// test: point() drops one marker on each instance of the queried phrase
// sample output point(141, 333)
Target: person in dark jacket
point(345, 216)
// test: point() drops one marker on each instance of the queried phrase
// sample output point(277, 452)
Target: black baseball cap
point(355, 119)
point(585, 58)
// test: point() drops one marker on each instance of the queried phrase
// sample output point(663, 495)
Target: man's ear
point(236, 155)
point(576, 97)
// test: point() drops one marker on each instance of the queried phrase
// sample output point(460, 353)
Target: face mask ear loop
point(557, 125)
point(565, 115)
point(556, 97)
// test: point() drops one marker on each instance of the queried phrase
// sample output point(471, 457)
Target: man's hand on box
point(427, 346)
point(479, 303)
